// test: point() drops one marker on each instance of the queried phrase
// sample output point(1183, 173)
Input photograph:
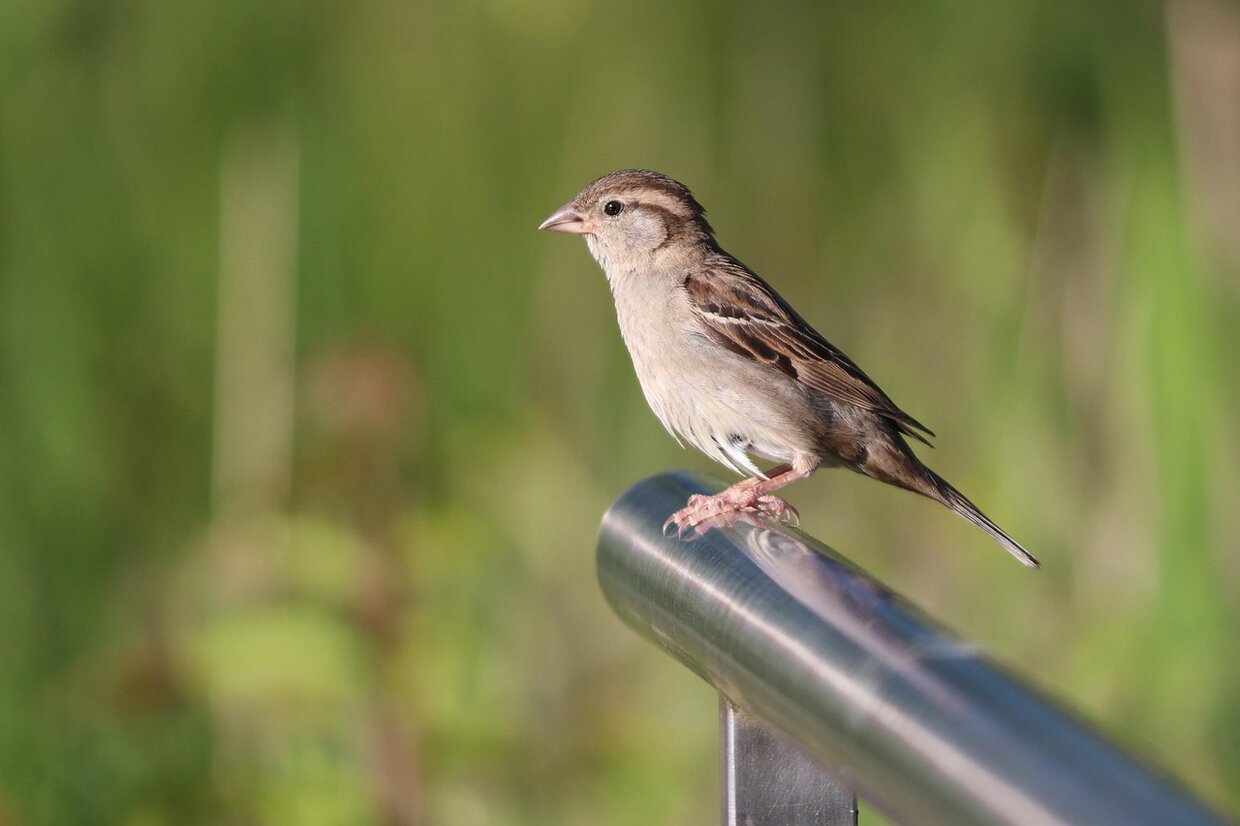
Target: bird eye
point(613, 207)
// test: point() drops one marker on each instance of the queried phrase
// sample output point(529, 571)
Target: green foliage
point(305, 432)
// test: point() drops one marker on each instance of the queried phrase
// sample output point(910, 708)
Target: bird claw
point(779, 510)
point(701, 513)
point(673, 528)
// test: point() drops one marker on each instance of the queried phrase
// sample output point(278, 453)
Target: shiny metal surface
point(769, 780)
point(914, 721)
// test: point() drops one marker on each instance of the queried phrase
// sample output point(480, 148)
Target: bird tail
point(895, 463)
point(937, 487)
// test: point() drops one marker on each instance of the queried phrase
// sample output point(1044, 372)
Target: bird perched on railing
point(728, 365)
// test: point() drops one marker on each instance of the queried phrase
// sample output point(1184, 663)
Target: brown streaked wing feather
point(744, 314)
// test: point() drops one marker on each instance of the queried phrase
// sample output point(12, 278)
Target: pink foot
point(700, 509)
point(779, 510)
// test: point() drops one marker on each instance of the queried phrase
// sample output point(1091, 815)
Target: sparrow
point(726, 364)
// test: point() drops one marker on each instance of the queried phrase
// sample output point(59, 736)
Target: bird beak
point(566, 219)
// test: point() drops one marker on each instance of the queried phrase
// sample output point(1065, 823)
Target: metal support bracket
point(768, 780)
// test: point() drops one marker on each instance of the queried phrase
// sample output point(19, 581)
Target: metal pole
point(912, 720)
point(769, 780)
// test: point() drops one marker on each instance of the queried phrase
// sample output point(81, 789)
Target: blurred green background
point(305, 431)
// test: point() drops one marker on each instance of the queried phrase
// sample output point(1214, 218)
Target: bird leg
point(748, 495)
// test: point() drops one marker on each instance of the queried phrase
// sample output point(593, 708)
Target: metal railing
point(862, 691)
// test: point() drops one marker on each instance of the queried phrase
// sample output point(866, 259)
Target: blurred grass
point(1016, 217)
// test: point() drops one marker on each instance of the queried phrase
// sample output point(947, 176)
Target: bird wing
point(744, 314)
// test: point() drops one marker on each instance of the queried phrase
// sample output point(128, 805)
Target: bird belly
point(725, 406)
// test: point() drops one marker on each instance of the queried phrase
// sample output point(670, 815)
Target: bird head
point(631, 216)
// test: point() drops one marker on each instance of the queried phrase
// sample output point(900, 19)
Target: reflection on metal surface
point(911, 719)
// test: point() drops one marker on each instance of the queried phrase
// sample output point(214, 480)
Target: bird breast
point(722, 404)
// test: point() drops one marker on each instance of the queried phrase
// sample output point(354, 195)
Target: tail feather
point(958, 502)
point(893, 462)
